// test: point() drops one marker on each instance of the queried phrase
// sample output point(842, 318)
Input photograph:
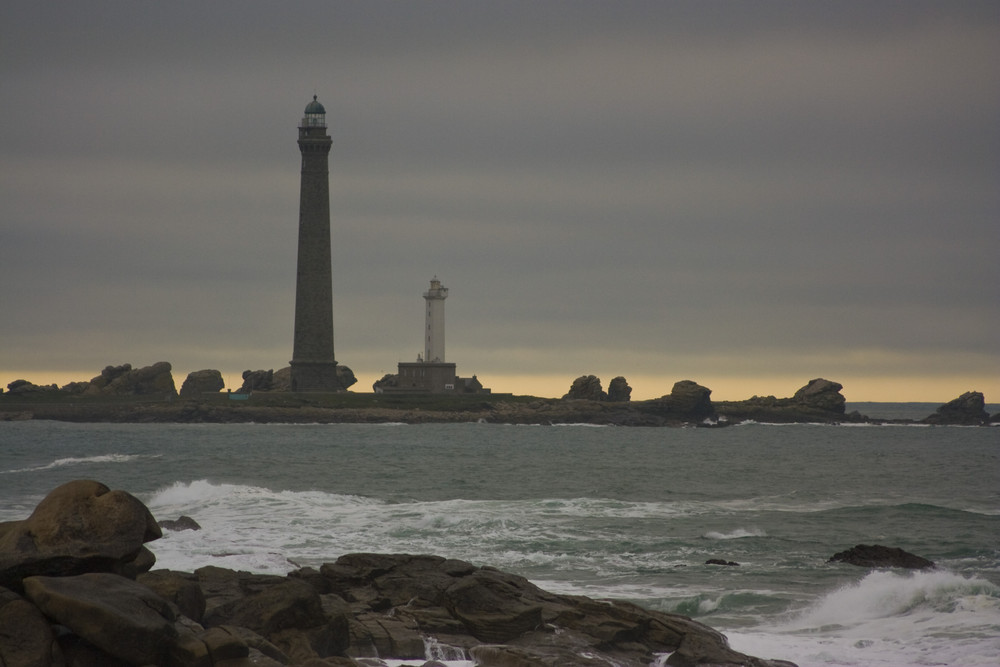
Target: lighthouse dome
point(315, 107)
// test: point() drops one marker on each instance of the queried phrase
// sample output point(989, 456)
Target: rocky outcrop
point(969, 409)
point(155, 380)
point(81, 526)
point(206, 381)
point(257, 381)
point(588, 388)
point(618, 390)
point(25, 388)
point(183, 522)
point(864, 555)
point(347, 613)
point(818, 401)
point(687, 402)
point(821, 394)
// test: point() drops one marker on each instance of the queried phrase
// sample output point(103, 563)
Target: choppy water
point(628, 513)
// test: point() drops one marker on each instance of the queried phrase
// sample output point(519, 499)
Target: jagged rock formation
point(969, 409)
point(155, 380)
point(257, 381)
point(818, 401)
point(346, 613)
point(588, 388)
point(619, 391)
point(687, 401)
point(25, 388)
point(865, 555)
point(202, 382)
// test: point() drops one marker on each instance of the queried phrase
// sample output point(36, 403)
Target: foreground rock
point(80, 527)
point(347, 613)
point(865, 555)
point(969, 409)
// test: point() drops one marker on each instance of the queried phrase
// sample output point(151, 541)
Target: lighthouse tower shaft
point(434, 334)
point(313, 365)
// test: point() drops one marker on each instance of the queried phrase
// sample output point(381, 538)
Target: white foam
point(888, 620)
point(81, 460)
point(737, 534)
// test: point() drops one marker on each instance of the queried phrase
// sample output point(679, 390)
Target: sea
point(609, 512)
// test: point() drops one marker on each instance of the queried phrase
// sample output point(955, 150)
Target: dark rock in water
point(618, 390)
point(206, 381)
point(81, 526)
point(864, 555)
point(586, 387)
point(719, 561)
point(969, 409)
point(182, 522)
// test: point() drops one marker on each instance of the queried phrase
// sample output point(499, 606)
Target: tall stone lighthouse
point(313, 365)
point(434, 336)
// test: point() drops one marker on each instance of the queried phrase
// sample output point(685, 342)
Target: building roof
point(315, 107)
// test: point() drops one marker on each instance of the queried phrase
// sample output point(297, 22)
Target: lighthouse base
point(315, 376)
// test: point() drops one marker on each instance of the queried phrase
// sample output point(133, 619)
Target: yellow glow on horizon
point(924, 389)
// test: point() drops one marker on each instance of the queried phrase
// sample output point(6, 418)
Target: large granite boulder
point(618, 390)
point(119, 616)
point(821, 394)
point(875, 555)
point(81, 526)
point(206, 381)
point(969, 409)
point(586, 387)
point(155, 380)
point(26, 638)
point(690, 398)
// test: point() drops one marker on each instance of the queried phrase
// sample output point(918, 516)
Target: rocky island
point(77, 587)
point(126, 394)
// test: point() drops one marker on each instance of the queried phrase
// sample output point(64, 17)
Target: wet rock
point(720, 561)
point(864, 555)
point(182, 522)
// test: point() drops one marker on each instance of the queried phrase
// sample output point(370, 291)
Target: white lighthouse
point(434, 334)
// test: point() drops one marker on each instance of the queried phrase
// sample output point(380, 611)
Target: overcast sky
point(748, 195)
